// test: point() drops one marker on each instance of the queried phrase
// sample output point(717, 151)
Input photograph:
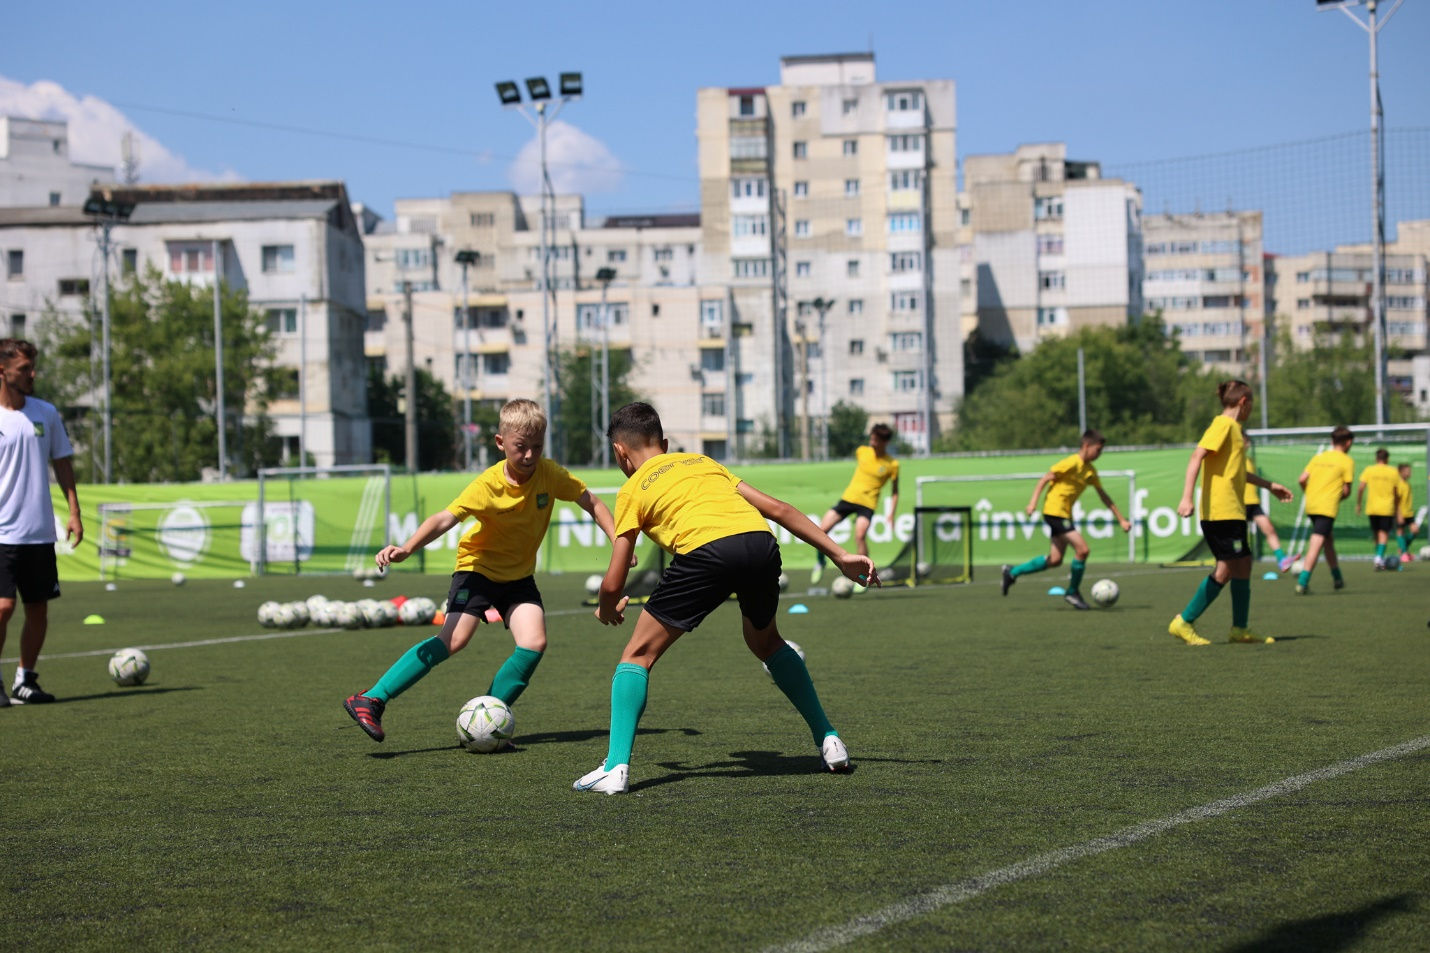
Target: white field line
point(830, 937)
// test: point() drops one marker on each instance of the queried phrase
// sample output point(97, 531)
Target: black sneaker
point(29, 692)
point(1008, 579)
point(367, 712)
point(1076, 601)
point(4, 698)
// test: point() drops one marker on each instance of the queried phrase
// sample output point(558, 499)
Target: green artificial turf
point(230, 804)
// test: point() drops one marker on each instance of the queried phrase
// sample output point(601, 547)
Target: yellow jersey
point(1380, 481)
point(1252, 495)
point(1326, 476)
point(1407, 508)
point(683, 501)
point(1071, 475)
point(1223, 470)
point(511, 519)
point(871, 472)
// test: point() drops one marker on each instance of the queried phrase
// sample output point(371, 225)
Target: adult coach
point(32, 436)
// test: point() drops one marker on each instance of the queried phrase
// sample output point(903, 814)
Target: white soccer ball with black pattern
point(129, 667)
point(842, 587)
point(1105, 593)
point(1425, 554)
point(485, 724)
point(268, 613)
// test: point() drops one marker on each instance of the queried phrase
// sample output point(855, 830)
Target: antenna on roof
point(129, 158)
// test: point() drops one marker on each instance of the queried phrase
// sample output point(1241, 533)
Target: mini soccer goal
point(319, 520)
point(939, 551)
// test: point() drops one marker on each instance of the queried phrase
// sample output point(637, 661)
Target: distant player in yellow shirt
point(872, 469)
point(1065, 483)
point(1408, 527)
point(1255, 514)
point(1326, 480)
point(512, 502)
point(1220, 457)
point(715, 525)
point(1379, 496)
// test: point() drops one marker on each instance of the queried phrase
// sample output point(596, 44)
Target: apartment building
point(36, 169)
point(293, 247)
point(1052, 246)
point(828, 209)
point(1204, 274)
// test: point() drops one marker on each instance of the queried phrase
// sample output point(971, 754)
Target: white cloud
point(96, 131)
point(577, 163)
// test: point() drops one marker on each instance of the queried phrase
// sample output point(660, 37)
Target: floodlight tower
point(108, 212)
point(466, 258)
point(543, 111)
point(605, 276)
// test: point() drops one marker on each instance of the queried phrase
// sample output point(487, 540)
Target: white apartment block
point(1051, 245)
point(833, 189)
point(1205, 276)
point(293, 247)
point(36, 169)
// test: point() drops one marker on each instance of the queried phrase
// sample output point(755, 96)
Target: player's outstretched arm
point(1122, 521)
point(611, 603)
point(602, 515)
point(1194, 466)
point(1045, 482)
point(858, 568)
point(432, 527)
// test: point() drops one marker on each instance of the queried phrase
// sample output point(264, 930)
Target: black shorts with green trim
point(1226, 538)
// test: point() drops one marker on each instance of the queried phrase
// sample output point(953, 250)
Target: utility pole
point(411, 385)
point(107, 211)
point(303, 380)
point(465, 258)
point(219, 412)
point(822, 306)
point(803, 344)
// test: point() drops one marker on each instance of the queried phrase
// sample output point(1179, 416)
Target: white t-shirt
point(29, 439)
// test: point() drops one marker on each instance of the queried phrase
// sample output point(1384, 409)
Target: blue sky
point(1120, 82)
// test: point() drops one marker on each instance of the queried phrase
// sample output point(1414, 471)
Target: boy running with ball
point(714, 525)
point(873, 468)
point(1220, 456)
point(1326, 481)
point(512, 502)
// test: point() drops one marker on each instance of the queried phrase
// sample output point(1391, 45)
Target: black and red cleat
point(367, 712)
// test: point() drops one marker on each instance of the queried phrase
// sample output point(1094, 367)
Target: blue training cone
point(799, 608)
point(1270, 576)
point(1057, 591)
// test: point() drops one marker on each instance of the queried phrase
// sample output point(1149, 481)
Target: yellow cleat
point(1246, 636)
point(1182, 629)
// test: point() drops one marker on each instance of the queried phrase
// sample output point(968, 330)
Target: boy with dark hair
point(1382, 504)
point(873, 467)
point(714, 525)
point(1407, 528)
point(1326, 481)
point(1066, 481)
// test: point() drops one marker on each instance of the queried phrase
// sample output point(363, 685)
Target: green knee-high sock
point(789, 673)
point(1404, 542)
point(512, 678)
point(628, 694)
point(1037, 564)
point(1280, 554)
point(1336, 574)
point(1304, 578)
point(1240, 602)
point(1380, 552)
point(408, 670)
point(1205, 596)
point(1075, 575)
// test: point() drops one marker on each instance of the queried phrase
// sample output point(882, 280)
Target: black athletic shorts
point(472, 594)
point(1060, 526)
point(697, 582)
point(30, 569)
point(1226, 538)
point(845, 508)
point(1253, 510)
point(1382, 524)
point(1322, 525)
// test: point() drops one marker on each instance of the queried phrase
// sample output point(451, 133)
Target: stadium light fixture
point(509, 93)
point(538, 88)
point(570, 85)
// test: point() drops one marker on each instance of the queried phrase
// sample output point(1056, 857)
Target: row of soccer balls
point(365, 613)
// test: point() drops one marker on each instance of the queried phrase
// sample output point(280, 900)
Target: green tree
point(163, 381)
point(580, 367)
point(1332, 382)
point(437, 435)
point(848, 429)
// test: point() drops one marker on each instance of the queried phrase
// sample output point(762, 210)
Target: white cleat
point(601, 781)
point(836, 756)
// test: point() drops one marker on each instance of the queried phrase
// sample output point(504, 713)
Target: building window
point(851, 187)
point(856, 386)
point(497, 364)
point(712, 405)
point(965, 216)
point(801, 149)
point(278, 259)
point(904, 301)
point(483, 219)
point(285, 383)
point(906, 143)
point(796, 108)
point(854, 227)
point(903, 223)
point(907, 381)
point(615, 255)
point(712, 359)
point(851, 147)
point(1050, 244)
point(191, 258)
point(749, 147)
point(17, 325)
point(856, 347)
point(129, 260)
point(714, 449)
point(588, 316)
point(1052, 280)
point(54, 199)
point(801, 189)
point(908, 341)
point(904, 100)
point(901, 261)
point(747, 105)
point(851, 268)
point(15, 265)
point(664, 253)
point(747, 225)
point(1048, 208)
point(1052, 317)
point(282, 320)
point(801, 269)
point(750, 267)
point(856, 305)
point(801, 228)
point(902, 180)
point(712, 317)
point(748, 188)
point(74, 286)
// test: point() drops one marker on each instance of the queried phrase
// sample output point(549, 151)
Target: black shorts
point(1322, 525)
point(1226, 538)
point(845, 508)
point(1253, 510)
point(472, 593)
point(29, 568)
point(697, 582)
point(1382, 524)
point(1059, 525)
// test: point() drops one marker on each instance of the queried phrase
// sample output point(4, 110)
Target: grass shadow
point(1326, 933)
point(523, 741)
point(127, 693)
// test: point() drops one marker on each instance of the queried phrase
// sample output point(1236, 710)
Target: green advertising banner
point(335, 524)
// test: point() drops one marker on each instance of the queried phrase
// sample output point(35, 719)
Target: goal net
point(939, 551)
point(318, 520)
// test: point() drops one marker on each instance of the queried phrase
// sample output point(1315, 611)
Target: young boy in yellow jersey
point(1256, 515)
point(872, 469)
point(1381, 504)
point(1326, 481)
point(1405, 533)
point(1066, 480)
point(512, 502)
point(1220, 456)
point(715, 526)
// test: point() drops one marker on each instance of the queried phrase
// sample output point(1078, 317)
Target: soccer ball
point(922, 570)
point(177, 579)
point(1425, 554)
point(593, 583)
point(347, 615)
point(1299, 566)
point(268, 613)
point(484, 724)
point(1105, 592)
point(129, 667)
point(842, 587)
point(797, 650)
